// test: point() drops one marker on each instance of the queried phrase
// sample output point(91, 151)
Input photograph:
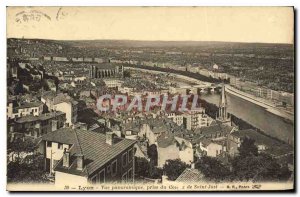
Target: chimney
point(192, 165)
point(109, 138)
point(54, 125)
point(80, 160)
point(118, 133)
point(107, 123)
point(66, 159)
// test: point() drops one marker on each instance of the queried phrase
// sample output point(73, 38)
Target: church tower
point(223, 115)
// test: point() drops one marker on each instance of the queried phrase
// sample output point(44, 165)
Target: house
point(195, 120)
point(215, 131)
point(186, 151)
point(177, 117)
point(61, 102)
point(167, 148)
point(25, 109)
point(151, 129)
point(216, 148)
point(113, 83)
point(37, 126)
point(87, 157)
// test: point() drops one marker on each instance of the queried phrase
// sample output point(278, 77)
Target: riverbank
point(287, 116)
point(269, 107)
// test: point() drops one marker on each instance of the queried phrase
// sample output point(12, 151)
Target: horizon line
point(256, 42)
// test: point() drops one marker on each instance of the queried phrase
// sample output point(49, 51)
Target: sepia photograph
point(148, 99)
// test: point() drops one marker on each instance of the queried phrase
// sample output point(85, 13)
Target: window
point(124, 159)
point(108, 168)
point(130, 155)
point(114, 168)
point(94, 179)
point(130, 175)
point(102, 176)
point(49, 144)
point(124, 178)
point(60, 146)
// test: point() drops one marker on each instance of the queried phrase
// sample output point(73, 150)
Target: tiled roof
point(164, 141)
point(58, 98)
point(105, 65)
point(32, 118)
point(190, 176)
point(29, 105)
point(91, 144)
point(214, 129)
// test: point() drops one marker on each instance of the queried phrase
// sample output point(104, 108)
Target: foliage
point(142, 166)
point(212, 168)
point(126, 74)
point(248, 148)
point(27, 172)
point(152, 153)
point(19, 145)
point(253, 166)
point(261, 167)
point(174, 168)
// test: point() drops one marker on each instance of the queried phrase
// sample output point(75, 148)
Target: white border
point(5, 3)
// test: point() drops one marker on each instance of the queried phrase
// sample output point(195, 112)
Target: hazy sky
point(236, 24)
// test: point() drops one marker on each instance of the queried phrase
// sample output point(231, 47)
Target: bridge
point(196, 87)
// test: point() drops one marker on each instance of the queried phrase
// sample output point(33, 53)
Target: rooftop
point(105, 65)
point(59, 98)
point(29, 105)
point(90, 144)
point(190, 176)
point(32, 118)
point(214, 129)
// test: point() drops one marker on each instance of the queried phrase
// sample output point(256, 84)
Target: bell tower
point(223, 116)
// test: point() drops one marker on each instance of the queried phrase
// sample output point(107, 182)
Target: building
point(87, 157)
point(186, 151)
point(61, 102)
point(216, 148)
point(264, 143)
point(177, 117)
point(25, 109)
point(167, 148)
point(195, 120)
point(113, 83)
point(37, 126)
point(223, 116)
point(106, 70)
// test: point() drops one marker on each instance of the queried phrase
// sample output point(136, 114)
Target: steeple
point(222, 115)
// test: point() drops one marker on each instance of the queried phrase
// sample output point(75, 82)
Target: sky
point(230, 24)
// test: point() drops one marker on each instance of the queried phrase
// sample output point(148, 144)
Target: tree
point(152, 153)
point(248, 148)
point(142, 166)
point(212, 169)
point(27, 172)
point(126, 74)
point(259, 168)
point(174, 168)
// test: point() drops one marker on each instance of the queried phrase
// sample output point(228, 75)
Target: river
point(257, 116)
point(253, 114)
